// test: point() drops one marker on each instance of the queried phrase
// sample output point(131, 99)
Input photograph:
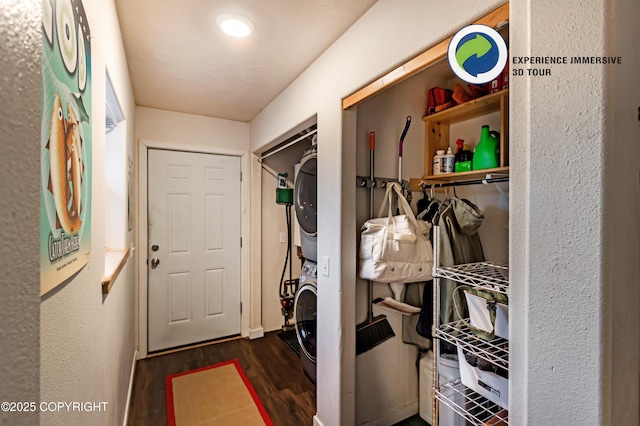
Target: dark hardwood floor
point(273, 369)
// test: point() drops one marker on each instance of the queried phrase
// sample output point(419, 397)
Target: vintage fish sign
point(65, 234)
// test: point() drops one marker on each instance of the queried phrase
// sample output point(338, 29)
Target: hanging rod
point(465, 182)
point(293, 142)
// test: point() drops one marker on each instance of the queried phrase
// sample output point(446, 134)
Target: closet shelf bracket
point(378, 182)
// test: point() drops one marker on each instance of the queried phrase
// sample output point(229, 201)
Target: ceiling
point(180, 61)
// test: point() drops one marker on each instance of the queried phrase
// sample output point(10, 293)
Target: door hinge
point(240, 176)
point(240, 242)
point(240, 307)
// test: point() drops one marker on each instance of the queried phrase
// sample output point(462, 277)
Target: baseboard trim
point(396, 415)
point(197, 345)
point(125, 421)
point(256, 333)
point(316, 421)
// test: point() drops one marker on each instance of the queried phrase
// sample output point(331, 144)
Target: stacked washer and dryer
point(305, 302)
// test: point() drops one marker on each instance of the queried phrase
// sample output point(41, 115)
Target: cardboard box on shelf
point(498, 419)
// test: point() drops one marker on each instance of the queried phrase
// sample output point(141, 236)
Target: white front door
point(194, 247)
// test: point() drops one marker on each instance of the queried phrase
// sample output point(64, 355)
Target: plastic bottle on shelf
point(486, 155)
point(437, 162)
point(448, 161)
point(460, 151)
point(467, 153)
point(464, 165)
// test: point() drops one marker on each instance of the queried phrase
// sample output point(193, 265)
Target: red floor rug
point(219, 394)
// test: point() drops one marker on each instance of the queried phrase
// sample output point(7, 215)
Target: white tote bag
point(396, 249)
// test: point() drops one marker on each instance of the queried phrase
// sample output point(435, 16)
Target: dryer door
point(306, 310)
point(306, 194)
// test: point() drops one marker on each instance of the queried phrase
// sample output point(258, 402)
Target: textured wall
point(20, 44)
point(87, 340)
point(558, 258)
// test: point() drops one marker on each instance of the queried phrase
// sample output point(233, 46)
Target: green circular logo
point(477, 54)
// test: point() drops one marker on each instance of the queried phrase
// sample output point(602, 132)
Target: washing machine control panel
point(309, 271)
point(310, 268)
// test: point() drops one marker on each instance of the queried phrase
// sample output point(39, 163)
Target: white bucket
point(425, 393)
point(448, 369)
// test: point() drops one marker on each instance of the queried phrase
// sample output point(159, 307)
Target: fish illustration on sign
point(66, 167)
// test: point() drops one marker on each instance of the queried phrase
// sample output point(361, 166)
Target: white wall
point(177, 127)
point(20, 53)
point(391, 394)
point(389, 33)
point(273, 255)
point(87, 340)
point(273, 223)
point(573, 216)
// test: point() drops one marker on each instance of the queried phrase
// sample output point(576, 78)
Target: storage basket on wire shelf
point(488, 312)
point(488, 320)
point(488, 381)
point(480, 315)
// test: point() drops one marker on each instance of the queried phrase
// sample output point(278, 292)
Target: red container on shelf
point(496, 84)
point(501, 81)
point(505, 76)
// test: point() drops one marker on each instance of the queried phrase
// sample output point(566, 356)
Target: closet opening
point(289, 242)
point(467, 211)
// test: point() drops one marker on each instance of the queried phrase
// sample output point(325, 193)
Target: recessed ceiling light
point(235, 25)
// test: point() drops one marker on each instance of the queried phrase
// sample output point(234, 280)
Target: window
point(117, 171)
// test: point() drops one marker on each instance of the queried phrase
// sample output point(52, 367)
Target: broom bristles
point(371, 334)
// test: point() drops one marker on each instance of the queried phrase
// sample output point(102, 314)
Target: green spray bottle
point(487, 153)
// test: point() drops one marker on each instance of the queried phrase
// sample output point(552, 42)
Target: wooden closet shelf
point(474, 108)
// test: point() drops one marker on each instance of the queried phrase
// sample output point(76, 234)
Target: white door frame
point(250, 259)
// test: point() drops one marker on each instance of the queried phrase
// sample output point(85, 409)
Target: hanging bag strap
point(403, 207)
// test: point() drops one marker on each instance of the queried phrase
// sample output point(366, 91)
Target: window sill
point(114, 261)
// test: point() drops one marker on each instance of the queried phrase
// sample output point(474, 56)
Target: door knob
point(155, 262)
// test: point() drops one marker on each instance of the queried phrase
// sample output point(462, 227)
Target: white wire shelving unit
point(472, 406)
point(495, 351)
point(490, 275)
point(475, 408)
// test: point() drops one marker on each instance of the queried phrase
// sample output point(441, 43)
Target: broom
point(374, 330)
